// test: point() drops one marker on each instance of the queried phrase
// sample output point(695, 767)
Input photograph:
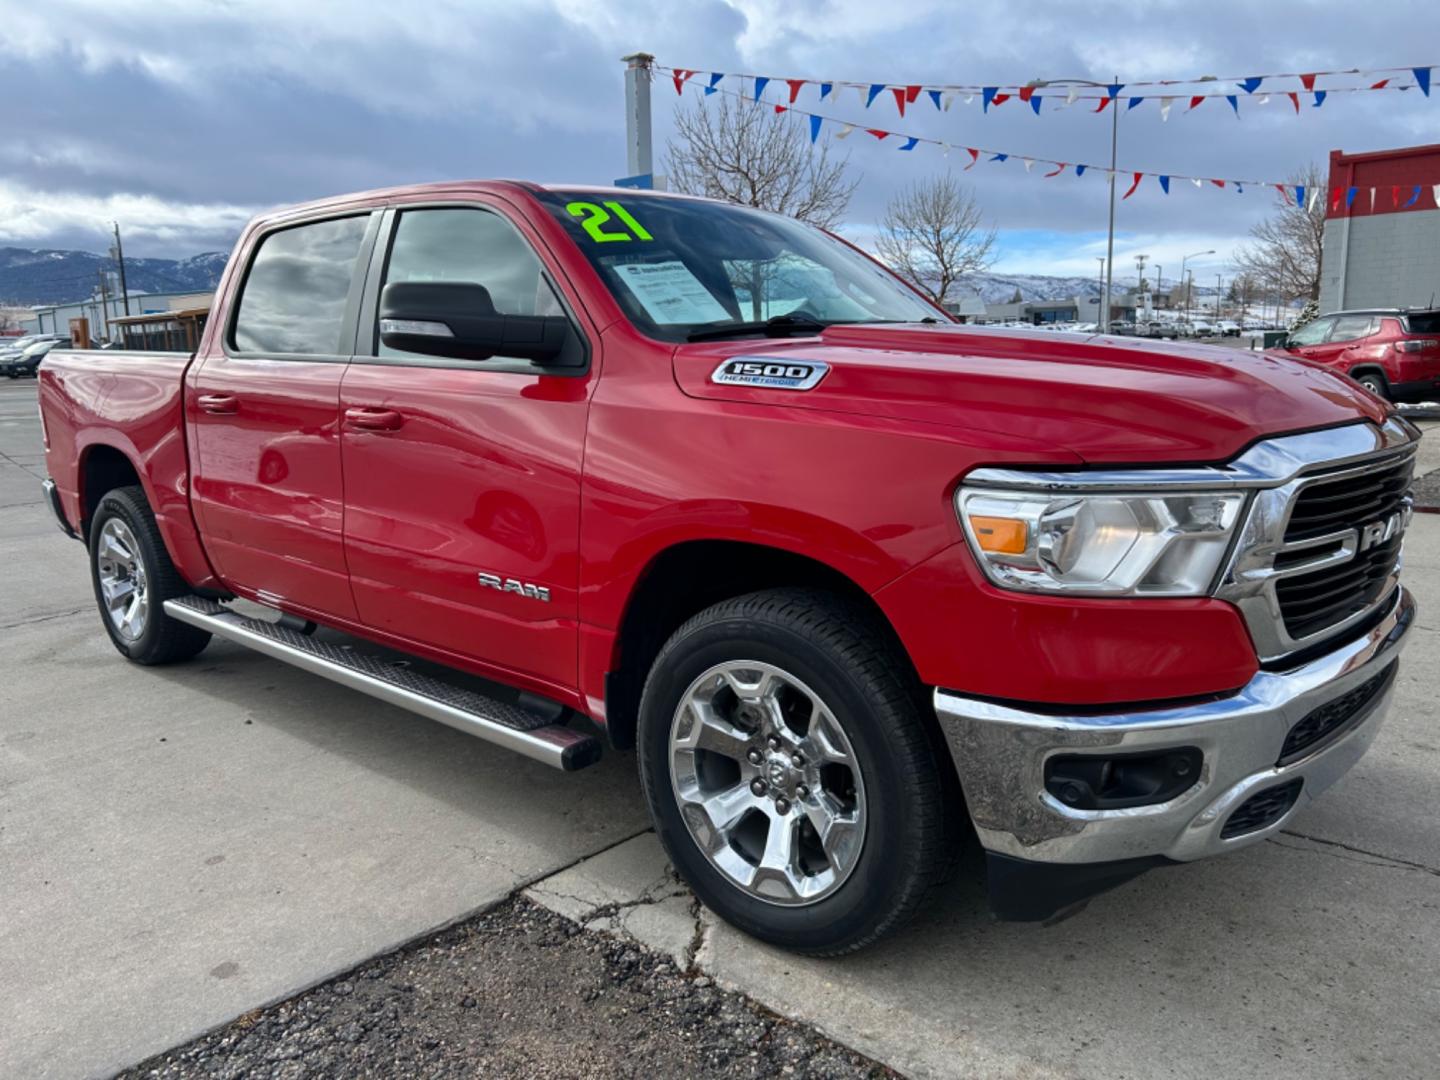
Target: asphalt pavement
point(180, 847)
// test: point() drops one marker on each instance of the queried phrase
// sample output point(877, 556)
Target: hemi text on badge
point(770, 372)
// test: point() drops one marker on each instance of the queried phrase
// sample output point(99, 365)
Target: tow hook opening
point(1096, 782)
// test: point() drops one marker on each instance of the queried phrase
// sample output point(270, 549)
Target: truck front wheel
point(133, 577)
point(790, 773)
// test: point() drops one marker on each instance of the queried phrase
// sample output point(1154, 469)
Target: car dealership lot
point(179, 846)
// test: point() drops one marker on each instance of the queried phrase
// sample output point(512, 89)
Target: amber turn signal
point(1004, 536)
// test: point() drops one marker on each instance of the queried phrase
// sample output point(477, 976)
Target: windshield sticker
point(670, 293)
point(595, 218)
point(770, 372)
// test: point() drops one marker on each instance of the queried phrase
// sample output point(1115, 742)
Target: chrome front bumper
point(1000, 753)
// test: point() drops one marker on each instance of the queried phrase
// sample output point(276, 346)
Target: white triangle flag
point(1437, 194)
point(1196, 181)
point(1165, 103)
point(1263, 99)
point(1071, 96)
point(1028, 163)
point(969, 98)
point(844, 131)
point(1372, 200)
point(946, 100)
point(864, 92)
point(1314, 198)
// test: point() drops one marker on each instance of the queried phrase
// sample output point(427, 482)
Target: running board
point(494, 721)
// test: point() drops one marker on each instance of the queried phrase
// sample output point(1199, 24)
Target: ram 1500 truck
point(858, 583)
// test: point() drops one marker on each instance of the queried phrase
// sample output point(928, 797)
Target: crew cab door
point(264, 412)
point(462, 477)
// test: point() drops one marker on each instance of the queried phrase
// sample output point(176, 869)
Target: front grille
point(1330, 720)
point(1262, 810)
point(1329, 506)
point(1309, 603)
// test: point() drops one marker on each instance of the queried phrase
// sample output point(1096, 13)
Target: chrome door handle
point(219, 404)
point(373, 419)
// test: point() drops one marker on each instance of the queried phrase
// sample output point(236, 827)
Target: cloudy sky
point(180, 118)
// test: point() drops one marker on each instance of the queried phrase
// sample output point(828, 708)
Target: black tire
point(1375, 383)
point(163, 640)
point(911, 803)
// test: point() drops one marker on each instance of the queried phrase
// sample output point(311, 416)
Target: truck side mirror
point(458, 318)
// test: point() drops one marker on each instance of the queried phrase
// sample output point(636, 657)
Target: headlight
point(1100, 543)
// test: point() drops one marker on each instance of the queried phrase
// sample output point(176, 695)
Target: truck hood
point(1104, 399)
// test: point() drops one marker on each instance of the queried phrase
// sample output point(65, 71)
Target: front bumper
point(1000, 753)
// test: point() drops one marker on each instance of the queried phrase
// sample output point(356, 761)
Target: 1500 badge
point(770, 373)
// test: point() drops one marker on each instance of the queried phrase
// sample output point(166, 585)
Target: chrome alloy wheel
point(122, 579)
point(767, 782)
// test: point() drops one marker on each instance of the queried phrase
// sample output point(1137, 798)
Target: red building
point(1382, 230)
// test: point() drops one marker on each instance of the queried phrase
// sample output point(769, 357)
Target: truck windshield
point(689, 267)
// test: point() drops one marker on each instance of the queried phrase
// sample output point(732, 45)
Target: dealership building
point(1382, 230)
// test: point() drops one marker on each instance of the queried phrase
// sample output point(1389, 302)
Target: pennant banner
point(1104, 95)
point(1300, 194)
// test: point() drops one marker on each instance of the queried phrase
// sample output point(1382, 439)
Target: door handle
point(373, 419)
point(219, 404)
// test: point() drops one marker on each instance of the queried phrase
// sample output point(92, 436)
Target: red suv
point(1392, 353)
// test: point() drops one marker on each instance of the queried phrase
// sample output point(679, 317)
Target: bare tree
point(1284, 255)
point(753, 156)
point(933, 234)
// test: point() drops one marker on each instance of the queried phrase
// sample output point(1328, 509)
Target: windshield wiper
point(778, 326)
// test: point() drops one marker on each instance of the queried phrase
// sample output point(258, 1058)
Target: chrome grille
point(1320, 549)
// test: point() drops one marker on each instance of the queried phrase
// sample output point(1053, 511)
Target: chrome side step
point(494, 721)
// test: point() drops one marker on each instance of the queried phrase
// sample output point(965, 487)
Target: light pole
point(1187, 258)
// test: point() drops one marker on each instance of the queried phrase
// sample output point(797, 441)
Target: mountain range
point(46, 276)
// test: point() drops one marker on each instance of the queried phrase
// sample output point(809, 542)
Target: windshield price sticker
point(596, 215)
point(670, 293)
point(770, 372)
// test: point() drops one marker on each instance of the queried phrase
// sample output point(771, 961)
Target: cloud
point(190, 107)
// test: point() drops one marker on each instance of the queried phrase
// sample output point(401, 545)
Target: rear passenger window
point(1351, 328)
point(293, 299)
point(473, 246)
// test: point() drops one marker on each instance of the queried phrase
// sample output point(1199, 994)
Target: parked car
point(1394, 354)
point(843, 575)
point(27, 361)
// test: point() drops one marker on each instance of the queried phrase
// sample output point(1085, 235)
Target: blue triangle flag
point(935, 97)
point(1133, 102)
point(1414, 198)
point(1234, 100)
point(1035, 100)
point(1320, 97)
point(825, 89)
point(987, 95)
point(1000, 157)
point(1115, 89)
point(1422, 79)
point(760, 83)
point(1350, 196)
point(875, 90)
point(1165, 183)
point(1080, 170)
point(1251, 84)
point(910, 143)
point(814, 127)
point(1300, 196)
point(715, 77)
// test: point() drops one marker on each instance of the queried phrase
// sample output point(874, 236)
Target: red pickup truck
point(581, 466)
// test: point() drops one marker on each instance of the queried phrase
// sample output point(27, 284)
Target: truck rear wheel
point(790, 773)
point(133, 577)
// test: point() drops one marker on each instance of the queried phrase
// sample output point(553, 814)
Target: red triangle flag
point(877, 133)
point(680, 76)
point(1026, 93)
point(1294, 100)
point(1395, 196)
point(1196, 101)
point(795, 85)
point(1218, 183)
point(999, 99)
point(1308, 81)
point(1281, 189)
point(911, 93)
point(1335, 197)
point(1104, 101)
point(781, 108)
point(974, 156)
point(1381, 84)
point(1059, 168)
point(899, 92)
point(1136, 184)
